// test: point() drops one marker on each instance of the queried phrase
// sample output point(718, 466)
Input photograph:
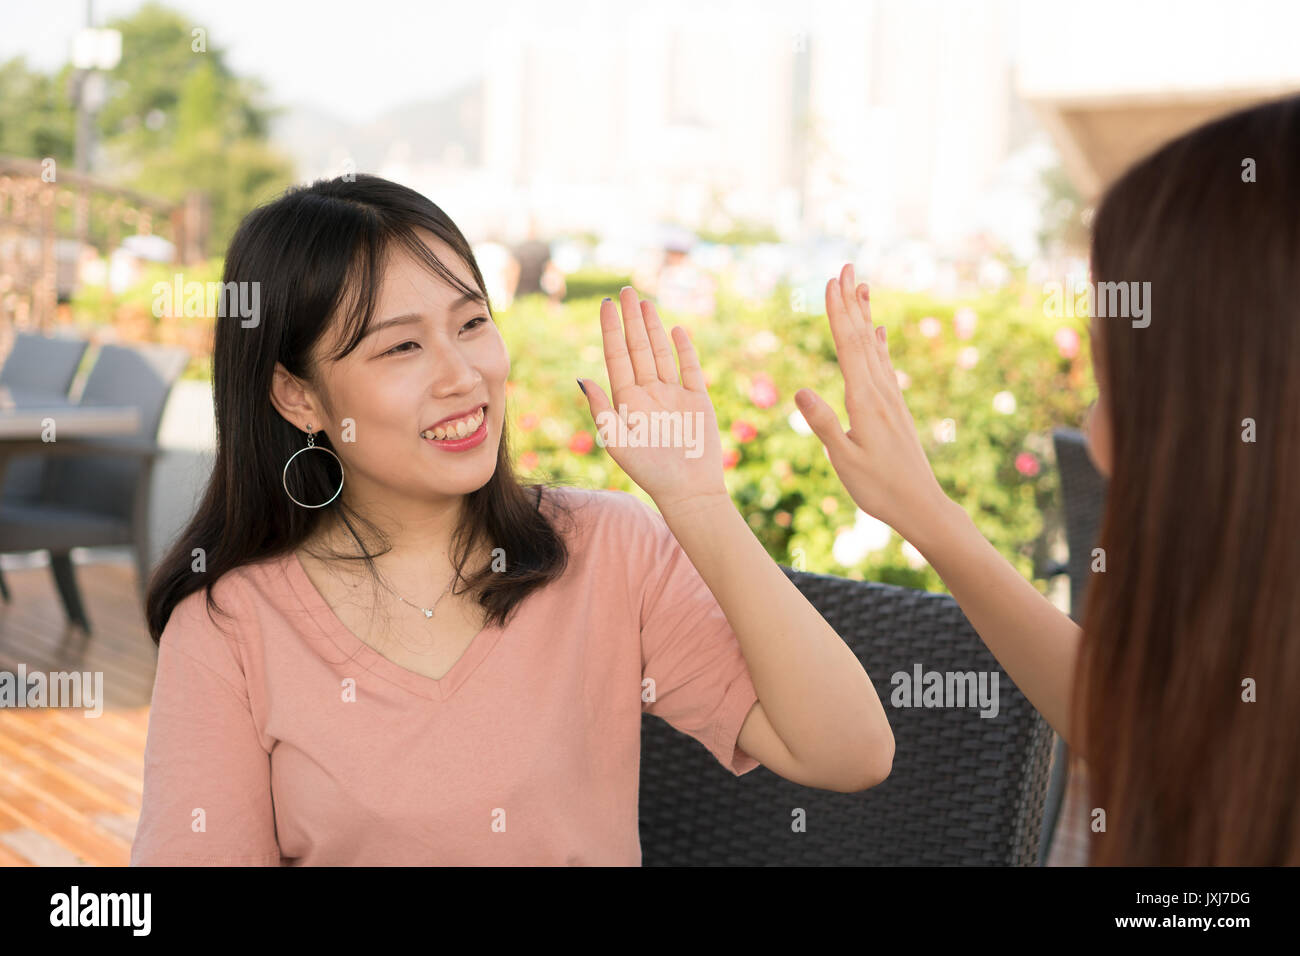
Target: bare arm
point(883, 466)
point(815, 699)
point(1033, 641)
point(818, 721)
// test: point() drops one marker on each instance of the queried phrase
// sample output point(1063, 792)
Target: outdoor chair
point(964, 789)
point(1083, 495)
point(99, 498)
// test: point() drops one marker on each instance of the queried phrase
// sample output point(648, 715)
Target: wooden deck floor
point(70, 782)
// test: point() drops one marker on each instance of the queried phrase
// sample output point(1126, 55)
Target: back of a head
point(1192, 634)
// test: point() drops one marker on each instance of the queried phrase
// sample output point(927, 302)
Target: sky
point(437, 47)
point(385, 53)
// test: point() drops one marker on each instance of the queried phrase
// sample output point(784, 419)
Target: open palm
point(660, 429)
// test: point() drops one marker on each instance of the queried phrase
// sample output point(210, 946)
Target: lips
point(456, 426)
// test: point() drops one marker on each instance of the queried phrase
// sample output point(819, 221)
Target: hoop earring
point(311, 446)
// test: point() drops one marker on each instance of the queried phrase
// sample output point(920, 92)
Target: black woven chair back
point(964, 790)
point(1083, 492)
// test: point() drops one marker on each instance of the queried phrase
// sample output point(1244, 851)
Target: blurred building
point(873, 122)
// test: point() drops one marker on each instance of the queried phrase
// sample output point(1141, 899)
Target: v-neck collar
point(370, 659)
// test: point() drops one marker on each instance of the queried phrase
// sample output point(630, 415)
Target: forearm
point(1035, 643)
point(813, 688)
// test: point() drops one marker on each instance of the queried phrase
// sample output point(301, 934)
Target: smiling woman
point(498, 722)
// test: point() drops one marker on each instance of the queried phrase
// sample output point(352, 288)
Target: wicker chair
point(964, 790)
point(1083, 495)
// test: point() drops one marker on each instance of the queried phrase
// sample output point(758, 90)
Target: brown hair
point(1200, 599)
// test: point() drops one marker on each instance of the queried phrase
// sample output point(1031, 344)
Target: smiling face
point(430, 354)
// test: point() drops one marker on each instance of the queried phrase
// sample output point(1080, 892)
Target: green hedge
point(781, 479)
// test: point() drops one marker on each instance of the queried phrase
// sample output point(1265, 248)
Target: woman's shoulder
point(229, 604)
point(601, 509)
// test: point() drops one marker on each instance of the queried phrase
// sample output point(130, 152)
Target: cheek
point(494, 363)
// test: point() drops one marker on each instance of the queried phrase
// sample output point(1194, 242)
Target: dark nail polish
point(579, 381)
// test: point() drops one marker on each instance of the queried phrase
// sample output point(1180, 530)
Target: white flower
point(764, 342)
point(799, 423)
point(867, 535)
point(1005, 403)
point(968, 356)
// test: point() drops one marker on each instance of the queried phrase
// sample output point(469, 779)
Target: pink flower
point(1026, 464)
point(528, 421)
point(964, 322)
point(1067, 342)
point(903, 378)
point(528, 460)
point(743, 431)
point(763, 391)
point(729, 458)
point(581, 443)
point(968, 356)
point(930, 327)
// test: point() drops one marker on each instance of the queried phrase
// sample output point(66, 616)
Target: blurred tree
point(1064, 222)
point(37, 119)
point(178, 118)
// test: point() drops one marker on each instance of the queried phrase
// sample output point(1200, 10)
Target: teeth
point(457, 429)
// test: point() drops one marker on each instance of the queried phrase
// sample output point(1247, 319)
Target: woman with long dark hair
point(300, 717)
point(1179, 690)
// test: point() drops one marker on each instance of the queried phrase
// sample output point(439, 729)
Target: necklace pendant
point(428, 612)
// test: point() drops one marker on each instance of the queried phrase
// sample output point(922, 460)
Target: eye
point(471, 323)
point(398, 349)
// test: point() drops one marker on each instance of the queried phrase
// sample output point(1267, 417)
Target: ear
point(1097, 431)
point(295, 400)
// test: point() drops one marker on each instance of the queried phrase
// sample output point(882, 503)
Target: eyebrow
point(409, 317)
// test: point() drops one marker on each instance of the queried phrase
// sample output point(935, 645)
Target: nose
point(453, 372)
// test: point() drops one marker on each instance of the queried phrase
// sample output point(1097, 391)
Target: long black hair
point(316, 251)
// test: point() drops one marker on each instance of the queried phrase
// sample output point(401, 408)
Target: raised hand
point(879, 459)
point(660, 429)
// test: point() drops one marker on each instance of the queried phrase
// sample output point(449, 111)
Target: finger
point(692, 374)
point(821, 418)
point(860, 312)
point(638, 342)
point(665, 363)
point(894, 391)
point(617, 361)
point(602, 412)
point(858, 388)
point(883, 338)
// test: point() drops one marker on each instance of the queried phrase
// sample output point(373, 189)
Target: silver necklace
point(427, 611)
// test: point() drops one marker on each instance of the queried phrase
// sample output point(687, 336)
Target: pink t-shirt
point(277, 737)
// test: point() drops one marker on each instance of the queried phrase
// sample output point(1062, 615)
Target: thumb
point(602, 412)
point(821, 418)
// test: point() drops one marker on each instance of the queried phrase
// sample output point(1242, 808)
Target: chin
point(466, 483)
